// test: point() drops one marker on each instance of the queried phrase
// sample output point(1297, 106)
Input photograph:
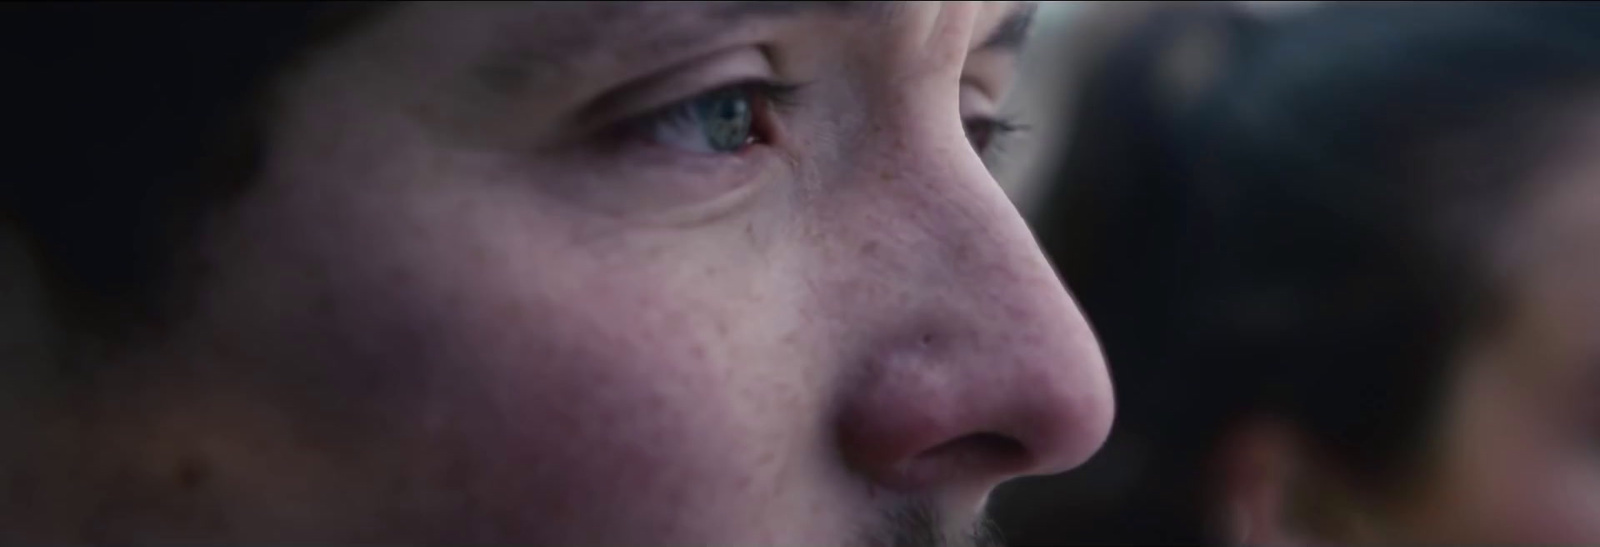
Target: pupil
point(726, 119)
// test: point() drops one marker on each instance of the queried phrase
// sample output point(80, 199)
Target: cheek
point(1573, 513)
point(629, 373)
point(516, 365)
point(1517, 480)
point(1544, 498)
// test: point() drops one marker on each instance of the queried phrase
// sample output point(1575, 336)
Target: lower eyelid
point(655, 186)
point(662, 173)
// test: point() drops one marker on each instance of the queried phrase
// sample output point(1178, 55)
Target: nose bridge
point(988, 341)
point(975, 243)
point(1027, 361)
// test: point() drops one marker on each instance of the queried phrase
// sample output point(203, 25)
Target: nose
point(979, 366)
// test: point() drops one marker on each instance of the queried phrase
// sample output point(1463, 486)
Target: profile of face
point(615, 274)
point(1512, 458)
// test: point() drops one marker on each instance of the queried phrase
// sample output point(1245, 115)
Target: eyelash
point(776, 94)
point(986, 134)
point(993, 131)
point(765, 96)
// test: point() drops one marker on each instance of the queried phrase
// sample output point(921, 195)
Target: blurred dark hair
point(1305, 240)
point(128, 122)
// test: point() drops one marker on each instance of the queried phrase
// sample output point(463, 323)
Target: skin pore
point(600, 274)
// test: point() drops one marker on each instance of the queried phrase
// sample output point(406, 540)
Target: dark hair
point(1307, 240)
point(129, 121)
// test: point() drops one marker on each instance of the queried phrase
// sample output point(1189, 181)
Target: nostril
point(976, 455)
point(991, 448)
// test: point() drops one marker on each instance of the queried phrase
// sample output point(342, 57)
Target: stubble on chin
point(920, 524)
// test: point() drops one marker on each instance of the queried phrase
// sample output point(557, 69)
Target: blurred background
point(1067, 37)
point(1342, 260)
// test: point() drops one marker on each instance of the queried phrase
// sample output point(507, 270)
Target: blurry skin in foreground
point(579, 274)
point(1351, 293)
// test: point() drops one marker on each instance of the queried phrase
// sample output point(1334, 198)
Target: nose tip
point(1072, 413)
point(1053, 397)
point(928, 421)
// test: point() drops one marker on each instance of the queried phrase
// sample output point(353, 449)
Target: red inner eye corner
point(763, 126)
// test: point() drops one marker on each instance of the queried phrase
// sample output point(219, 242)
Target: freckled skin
point(410, 336)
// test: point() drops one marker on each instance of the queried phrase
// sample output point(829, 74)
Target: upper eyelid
point(672, 86)
point(991, 103)
point(991, 74)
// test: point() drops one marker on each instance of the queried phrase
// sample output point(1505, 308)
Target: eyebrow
point(643, 26)
point(1012, 32)
point(750, 9)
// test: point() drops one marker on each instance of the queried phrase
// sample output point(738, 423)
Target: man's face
point(627, 274)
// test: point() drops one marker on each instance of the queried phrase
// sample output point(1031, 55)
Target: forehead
point(571, 33)
point(566, 52)
point(575, 30)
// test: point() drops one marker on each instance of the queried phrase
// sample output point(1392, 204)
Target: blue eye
point(717, 122)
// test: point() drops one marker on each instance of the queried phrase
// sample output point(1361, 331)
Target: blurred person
point(1350, 291)
point(1066, 35)
point(1070, 41)
point(1150, 61)
point(542, 274)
